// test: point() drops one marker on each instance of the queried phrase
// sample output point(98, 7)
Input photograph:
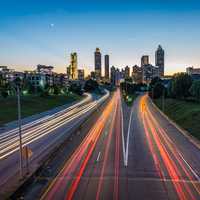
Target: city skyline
point(47, 34)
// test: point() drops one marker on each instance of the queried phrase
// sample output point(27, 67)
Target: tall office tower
point(144, 60)
point(113, 75)
point(81, 74)
point(72, 70)
point(97, 63)
point(127, 72)
point(107, 67)
point(137, 74)
point(160, 60)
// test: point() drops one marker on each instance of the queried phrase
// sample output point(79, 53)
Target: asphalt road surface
point(130, 153)
point(41, 136)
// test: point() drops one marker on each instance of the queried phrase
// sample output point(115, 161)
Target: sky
point(46, 32)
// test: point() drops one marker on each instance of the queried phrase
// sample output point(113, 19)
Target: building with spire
point(107, 67)
point(72, 69)
point(160, 60)
point(97, 63)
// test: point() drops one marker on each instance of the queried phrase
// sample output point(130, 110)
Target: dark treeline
point(180, 87)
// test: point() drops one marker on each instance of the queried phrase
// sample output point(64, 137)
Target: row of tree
point(181, 87)
point(8, 88)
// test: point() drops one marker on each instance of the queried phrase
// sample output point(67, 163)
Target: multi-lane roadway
point(130, 153)
point(41, 136)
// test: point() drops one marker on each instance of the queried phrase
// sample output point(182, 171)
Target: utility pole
point(20, 130)
point(163, 100)
point(153, 93)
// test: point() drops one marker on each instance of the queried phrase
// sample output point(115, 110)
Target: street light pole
point(20, 131)
point(163, 100)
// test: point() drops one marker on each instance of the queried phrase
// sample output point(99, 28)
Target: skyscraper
point(113, 75)
point(144, 60)
point(97, 63)
point(107, 67)
point(127, 72)
point(160, 60)
point(72, 70)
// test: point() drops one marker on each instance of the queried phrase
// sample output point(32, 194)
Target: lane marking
point(123, 145)
point(106, 133)
point(194, 173)
point(128, 136)
point(98, 157)
point(179, 153)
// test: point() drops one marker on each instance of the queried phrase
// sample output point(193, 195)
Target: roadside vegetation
point(32, 105)
point(130, 90)
point(34, 100)
point(185, 114)
point(180, 101)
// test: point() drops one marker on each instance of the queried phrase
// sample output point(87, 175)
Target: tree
point(56, 90)
point(4, 87)
point(180, 86)
point(195, 90)
point(158, 90)
point(154, 81)
point(91, 85)
point(76, 88)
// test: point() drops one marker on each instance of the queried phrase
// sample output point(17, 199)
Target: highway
point(41, 136)
point(130, 153)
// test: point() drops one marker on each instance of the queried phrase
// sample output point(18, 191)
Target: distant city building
point(160, 60)
point(117, 77)
point(107, 67)
point(45, 69)
point(9, 74)
point(113, 75)
point(137, 74)
point(59, 79)
point(194, 73)
point(81, 74)
point(127, 72)
point(93, 75)
point(36, 79)
point(192, 70)
point(122, 73)
point(149, 72)
point(144, 60)
point(72, 69)
point(97, 63)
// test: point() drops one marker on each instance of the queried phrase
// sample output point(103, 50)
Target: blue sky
point(46, 32)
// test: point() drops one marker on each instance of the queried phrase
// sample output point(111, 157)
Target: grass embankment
point(185, 114)
point(31, 105)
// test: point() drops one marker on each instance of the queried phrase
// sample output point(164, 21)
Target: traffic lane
point(180, 174)
point(29, 120)
point(9, 167)
point(89, 183)
point(189, 151)
point(75, 166)
point(140, 179)
point(9, 143)
point(126, 113)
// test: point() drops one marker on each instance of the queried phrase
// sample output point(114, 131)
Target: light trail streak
point(9, 141)
point(28, 125)
point(122, 133)
point(158, 134)
point(117, 155)
point(47, 128)
point(72, 165)
point(176, 153)
point(106, 152)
